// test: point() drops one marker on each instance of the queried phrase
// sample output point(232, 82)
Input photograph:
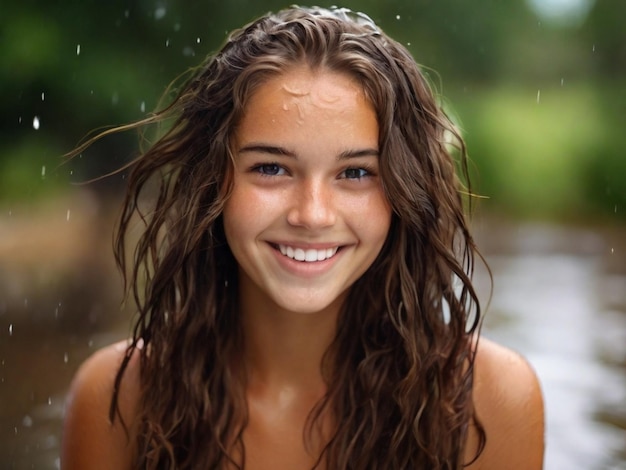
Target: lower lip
point(304, 268)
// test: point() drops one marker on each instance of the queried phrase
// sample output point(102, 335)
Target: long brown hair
point(400, 377)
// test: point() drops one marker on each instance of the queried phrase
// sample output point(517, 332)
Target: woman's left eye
point(355, 173)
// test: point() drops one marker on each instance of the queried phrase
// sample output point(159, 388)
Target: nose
point(313, 206)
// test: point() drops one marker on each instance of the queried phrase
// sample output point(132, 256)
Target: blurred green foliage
point(541, 103)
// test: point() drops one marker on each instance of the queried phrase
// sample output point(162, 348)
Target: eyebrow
point(281, 151)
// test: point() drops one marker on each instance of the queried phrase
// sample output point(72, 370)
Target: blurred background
point(538, 88)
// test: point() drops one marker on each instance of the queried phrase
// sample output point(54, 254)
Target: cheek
point(377, 218)
point(235, 214)
point(246, 211)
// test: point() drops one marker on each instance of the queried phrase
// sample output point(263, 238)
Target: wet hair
point(399, 371)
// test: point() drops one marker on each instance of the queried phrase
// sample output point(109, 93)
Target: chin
point(310, 306)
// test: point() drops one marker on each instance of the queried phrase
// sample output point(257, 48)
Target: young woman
point(303, 277)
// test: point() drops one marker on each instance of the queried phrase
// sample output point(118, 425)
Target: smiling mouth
point(309, 255)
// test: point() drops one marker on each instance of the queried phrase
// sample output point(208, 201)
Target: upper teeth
point(309, 255)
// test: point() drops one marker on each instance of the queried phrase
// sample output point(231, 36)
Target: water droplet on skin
point(43, 171)
point(36, 123)
point(538, 96)
point(78, 49)
point(67, 216)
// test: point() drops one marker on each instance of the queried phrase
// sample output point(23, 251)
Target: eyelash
point(364, 170)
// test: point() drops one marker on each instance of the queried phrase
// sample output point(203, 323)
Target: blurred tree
point(73, 66)
point(605, 35)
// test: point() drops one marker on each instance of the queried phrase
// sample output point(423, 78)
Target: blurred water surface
point(559, 298)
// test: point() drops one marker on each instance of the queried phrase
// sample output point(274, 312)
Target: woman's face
point(307, 215)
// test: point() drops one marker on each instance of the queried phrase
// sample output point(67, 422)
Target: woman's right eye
point(269, 169)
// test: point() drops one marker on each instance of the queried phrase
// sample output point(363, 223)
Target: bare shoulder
point(90, 440)
point(509, 405)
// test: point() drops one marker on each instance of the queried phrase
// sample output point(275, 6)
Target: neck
point(285, 349)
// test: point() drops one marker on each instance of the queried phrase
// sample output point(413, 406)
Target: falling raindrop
point(78, 49)
point(167, 42)
point(562, 81)
point(49, 400)
point(11, 329)
point(19, 120)
point(593, 48)
point(160, 12)
point(67, 216)
point(397, 17)
point(142, 106)
point(66, 358)
point(538, 96)
point(197, 40)
point(115, 98)
point(27, 421)
point(43, 96)
point(36, 123)
point(43, 171)
point(126, 13)
point(612, 251)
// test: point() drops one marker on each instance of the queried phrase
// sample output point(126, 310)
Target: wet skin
point(307, 215)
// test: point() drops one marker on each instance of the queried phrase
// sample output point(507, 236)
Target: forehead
point(300, 92)
point(310, 114)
